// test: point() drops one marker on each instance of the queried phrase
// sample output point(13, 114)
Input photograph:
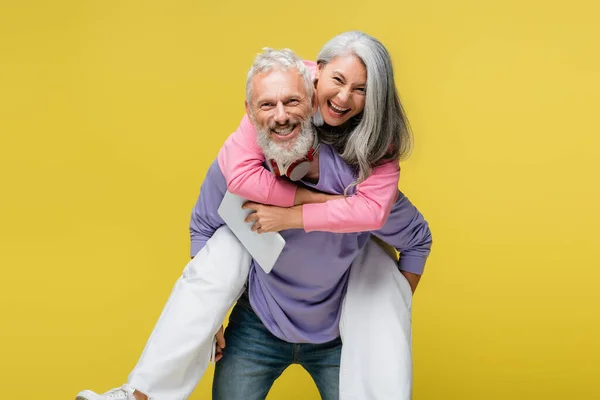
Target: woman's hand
point(272, 218)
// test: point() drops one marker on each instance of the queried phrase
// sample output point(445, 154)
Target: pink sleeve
point(312, 67)
point(366, 210)
point(241, 161)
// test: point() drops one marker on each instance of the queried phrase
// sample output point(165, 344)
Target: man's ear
point(247, 106)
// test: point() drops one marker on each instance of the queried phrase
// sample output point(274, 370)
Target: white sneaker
point(122, 393)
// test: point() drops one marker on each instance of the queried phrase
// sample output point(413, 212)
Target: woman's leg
point(375, 327)
point(180, 346)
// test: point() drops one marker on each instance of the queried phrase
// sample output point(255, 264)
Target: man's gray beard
point(286, 156)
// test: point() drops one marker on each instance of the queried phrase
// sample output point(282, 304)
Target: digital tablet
point(265, 248)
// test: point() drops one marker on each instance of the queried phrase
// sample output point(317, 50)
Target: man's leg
point(252, 359)
point(179, 348)
point(322, 362)
point(375, 327)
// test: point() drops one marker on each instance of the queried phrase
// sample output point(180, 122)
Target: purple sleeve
point(205, 220)
point(409, 233)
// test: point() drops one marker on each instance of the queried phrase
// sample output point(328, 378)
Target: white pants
point(375, 328)
point(375, 325)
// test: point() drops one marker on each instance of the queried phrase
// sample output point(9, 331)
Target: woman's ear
point(319, 70)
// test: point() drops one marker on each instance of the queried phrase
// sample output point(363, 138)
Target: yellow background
point(111, 112)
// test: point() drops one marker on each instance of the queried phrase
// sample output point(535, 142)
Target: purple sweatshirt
point(300, 300)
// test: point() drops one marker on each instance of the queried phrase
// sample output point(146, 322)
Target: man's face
point(281, 111)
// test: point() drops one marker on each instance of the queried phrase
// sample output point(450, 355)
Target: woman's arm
point(241, 162)
point(366, 210)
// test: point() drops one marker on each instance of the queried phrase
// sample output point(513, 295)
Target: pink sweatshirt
point(241, 162)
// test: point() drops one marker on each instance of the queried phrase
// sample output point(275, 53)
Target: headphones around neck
point(297, 169)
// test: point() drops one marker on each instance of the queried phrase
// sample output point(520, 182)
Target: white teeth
point(340, 110)
point(284, 131)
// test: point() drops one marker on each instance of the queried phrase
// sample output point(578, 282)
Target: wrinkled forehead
point(277, 85)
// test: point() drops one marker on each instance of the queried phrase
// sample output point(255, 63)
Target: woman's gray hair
point(381, 132)
point(284, 59)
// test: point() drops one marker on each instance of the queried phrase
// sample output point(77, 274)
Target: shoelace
point(118, 393)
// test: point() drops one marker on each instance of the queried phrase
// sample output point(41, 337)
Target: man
point(293, 314)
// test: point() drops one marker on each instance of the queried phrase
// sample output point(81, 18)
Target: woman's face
point(341, 89)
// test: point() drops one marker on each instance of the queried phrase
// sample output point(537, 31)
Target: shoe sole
point(86, 395)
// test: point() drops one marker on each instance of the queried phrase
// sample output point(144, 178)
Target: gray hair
point(381, 132)
point(284, 59)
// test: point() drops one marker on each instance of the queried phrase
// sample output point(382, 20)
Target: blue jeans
point(253, 358)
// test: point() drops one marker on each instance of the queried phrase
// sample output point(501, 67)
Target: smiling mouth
point(284, 130)
point(336, 109)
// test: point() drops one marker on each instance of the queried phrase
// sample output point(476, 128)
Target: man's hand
point(220, 344)
point(272, 218)
point(413, 279)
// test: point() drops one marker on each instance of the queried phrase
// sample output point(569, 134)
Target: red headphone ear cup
point(298, 170)
point(274, 167)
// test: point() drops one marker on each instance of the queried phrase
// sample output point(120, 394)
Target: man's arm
point(205, 219)
point(408, 232)
point(413, 279)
